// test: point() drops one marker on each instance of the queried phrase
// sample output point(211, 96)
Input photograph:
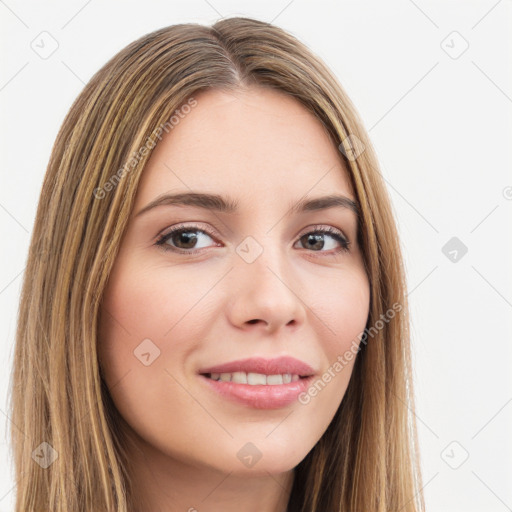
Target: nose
point(263, 295)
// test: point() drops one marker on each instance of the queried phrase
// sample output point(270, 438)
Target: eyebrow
point(220, 204)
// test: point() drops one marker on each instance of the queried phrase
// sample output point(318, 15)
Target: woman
point(214, 309)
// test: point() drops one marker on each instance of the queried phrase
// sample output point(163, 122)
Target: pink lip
point(261, 396)
point(277, 366)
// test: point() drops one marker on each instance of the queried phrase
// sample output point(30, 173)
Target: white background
point(442, 130)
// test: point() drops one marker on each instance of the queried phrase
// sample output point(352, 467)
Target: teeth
point(240, 377)
point(255, 379)
point(274, 379)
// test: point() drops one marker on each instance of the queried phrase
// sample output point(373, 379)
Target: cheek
point(147, 328)
point(159, 304)
point(150, 321)
point(346, 313)
point(152, 301)
point(341, 311)
point(343, 307)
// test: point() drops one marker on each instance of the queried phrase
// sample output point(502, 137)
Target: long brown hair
point(62, 412)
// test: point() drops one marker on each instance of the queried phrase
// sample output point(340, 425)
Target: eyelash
point(335, 233)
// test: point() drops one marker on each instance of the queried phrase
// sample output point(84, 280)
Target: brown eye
point(185, 238)
point(188, 240)
point(318, 240)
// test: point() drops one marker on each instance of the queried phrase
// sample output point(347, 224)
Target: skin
point(265, 150)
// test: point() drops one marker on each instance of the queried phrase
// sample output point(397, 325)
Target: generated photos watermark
point(344, 359)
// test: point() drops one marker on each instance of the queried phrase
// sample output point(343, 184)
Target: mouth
point(255, 379)
point(256, 390)
point(258, 382)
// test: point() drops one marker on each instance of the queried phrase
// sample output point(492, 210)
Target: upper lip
point(276, 366)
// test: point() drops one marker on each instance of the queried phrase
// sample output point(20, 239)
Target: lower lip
point(262, 396)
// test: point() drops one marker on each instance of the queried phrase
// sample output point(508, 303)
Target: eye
point(182, 239)
point(188, 240)
point(316, 240)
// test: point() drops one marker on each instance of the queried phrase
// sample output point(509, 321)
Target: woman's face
point(262, 279)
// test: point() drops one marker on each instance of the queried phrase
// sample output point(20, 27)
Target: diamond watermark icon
point(455, 455)
point(146, 352)
point(454, 249)
point(352, 147)
point(45, 45)
point(454, 45)
point(45, 455)
point(249, 249)
point(249, 455)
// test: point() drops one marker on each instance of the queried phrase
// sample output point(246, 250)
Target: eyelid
point(191, 225)
point(323, 227)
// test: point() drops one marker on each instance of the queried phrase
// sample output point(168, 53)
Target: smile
point(254, 379)
point(258, 395)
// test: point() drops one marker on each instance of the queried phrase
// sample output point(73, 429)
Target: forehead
point(249, 143)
